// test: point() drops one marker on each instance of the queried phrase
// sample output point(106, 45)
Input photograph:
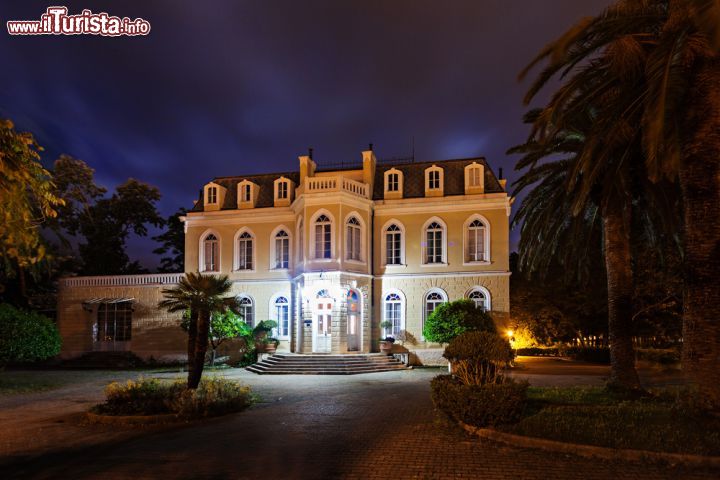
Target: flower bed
point(150, 396)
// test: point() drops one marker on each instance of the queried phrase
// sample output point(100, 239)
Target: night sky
point(238, 87)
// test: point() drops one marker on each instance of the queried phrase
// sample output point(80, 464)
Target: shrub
point(478, 358)
point(538, 352)
point(150, 396)
point(479, 405)
point(664, 357)
point(451, 319)
point(26, 336)
point(589, 354)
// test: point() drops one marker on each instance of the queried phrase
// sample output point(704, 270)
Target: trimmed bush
point(478, 358)
point(451, 319)
point(151, 396)
point(479, 405)
point(589, 354)
point(26, 336)
point(538, 352)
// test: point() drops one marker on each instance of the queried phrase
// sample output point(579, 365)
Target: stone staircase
point(325, 364)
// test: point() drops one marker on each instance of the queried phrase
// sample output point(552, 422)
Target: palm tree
point(676, 43)
point(562, 216)
point(201, 296)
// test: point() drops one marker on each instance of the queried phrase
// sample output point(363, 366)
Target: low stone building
point(327, 253)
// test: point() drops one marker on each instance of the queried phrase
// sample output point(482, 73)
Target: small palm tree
point(201, 296)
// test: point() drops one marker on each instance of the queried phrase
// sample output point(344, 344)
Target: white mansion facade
point(327, 253)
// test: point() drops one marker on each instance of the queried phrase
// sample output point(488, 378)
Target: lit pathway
point(366, 426)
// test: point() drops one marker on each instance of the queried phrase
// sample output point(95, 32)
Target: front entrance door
point(353, 321)
point(322, 326)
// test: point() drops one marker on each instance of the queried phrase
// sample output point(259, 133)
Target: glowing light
point(509, 333)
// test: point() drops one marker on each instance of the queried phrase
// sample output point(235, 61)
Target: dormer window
point(283, 192)
point(212, 196)
point(393, 183)
point(434, 181)
point(246, 194)
point(474, 178)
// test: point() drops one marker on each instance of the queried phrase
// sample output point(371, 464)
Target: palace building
point(327, 253)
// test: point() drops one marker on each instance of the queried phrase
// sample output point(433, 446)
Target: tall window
point(474, 178)
point(475, 242)
point(246, 197)
point(281, 314)
point(393, 314)
point(432, 301)
point(323, 237)
point(247, 311)
point(433, 179)
point(282, 249)
point(434, 243)
point(245, 252)
point(352, 238)
point(393, 182)
point(212, 195)
point(114, 322)
point(479, 298)
point(393, 245)
point(282, 190)
point(210, 254)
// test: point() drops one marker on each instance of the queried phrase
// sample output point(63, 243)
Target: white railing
point(336, 184)
point(122, 280)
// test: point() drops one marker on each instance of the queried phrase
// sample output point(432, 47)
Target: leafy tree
point(223, 326)
point(28, 201)
point(451, 319)
point(202, 296)
point(26, 336)
point(674, 109)
point(173, 243)
point(103, 224)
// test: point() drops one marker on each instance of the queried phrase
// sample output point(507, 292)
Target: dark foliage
point(26, 336)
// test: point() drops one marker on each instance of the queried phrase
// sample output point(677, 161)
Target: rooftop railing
point(336, 184)
point(122, 280)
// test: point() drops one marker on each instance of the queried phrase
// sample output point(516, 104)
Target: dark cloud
point(232, 87)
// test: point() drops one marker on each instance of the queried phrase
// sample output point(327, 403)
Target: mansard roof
point(413, 181)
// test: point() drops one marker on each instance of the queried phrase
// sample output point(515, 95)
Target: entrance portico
point(332, 313)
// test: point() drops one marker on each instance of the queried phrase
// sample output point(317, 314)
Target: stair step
point(326, 364)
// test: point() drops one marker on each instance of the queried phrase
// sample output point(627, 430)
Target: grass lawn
point(590, 415)
point(17, 382)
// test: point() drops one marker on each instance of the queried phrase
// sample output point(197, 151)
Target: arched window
point(247, 310)
point(352, 237)
point(434, 243)
point(475, 242)
point(480, 297)
point(281, 314)
point(244, 252)
point(282, 249)
point(432, 301)
point(323, 237)
point(210, 254)
point(393, 245)
point(394, 313)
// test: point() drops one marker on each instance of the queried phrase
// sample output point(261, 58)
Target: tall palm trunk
point(700, 183)
point(616, 232)
point(201, 343)
point(192, 339)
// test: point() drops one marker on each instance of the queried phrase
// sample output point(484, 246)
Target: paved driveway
point(366, 426)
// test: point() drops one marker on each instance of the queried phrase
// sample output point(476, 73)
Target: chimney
point(307, 166)
point(501, 180)
point(369, 162)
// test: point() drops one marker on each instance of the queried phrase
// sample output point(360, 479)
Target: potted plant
point(270, 344)
point(387, 341)
point(261, 332)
